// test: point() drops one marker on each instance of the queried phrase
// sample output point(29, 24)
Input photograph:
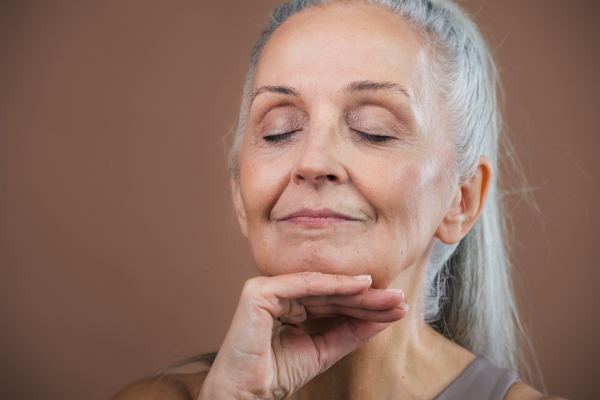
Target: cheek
point(407, 195)
point(257, 192)
point(262, 183)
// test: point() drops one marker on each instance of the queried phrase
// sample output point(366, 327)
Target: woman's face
point(345, 166)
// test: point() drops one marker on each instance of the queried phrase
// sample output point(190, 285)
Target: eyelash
point(374, 139)
point(278, 138)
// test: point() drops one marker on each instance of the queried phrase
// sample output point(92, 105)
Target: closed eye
point(278, 138)
point(374, 139)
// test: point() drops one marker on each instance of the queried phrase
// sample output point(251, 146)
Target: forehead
point(326, 47)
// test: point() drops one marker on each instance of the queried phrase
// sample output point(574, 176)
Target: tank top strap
point(481, 380)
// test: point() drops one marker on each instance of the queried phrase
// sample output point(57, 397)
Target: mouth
point(307, 216)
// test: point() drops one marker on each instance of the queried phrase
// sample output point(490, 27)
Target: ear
point(467, 204)
point(238, 204)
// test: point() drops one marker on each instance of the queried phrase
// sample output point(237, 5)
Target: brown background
point(118, 250)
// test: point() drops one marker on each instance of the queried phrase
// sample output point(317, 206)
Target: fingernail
point(363, 277)
point(394, 290)
point(404, 306)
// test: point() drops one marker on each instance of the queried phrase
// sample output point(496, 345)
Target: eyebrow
point(357, 86)
point(273, 89)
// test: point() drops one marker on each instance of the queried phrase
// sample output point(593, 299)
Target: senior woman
point(362, 176)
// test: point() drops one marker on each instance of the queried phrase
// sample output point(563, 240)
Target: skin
point(343, 119)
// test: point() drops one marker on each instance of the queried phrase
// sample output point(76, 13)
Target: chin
point(333, 262)
point(309, 260)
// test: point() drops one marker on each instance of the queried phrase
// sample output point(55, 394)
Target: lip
point(307, 216)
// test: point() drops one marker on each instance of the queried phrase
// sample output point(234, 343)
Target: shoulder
point(165, 387)
point(522, 391)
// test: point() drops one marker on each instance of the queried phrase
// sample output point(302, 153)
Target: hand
point(266, 356)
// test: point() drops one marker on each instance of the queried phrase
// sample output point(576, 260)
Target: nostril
point(331, 177)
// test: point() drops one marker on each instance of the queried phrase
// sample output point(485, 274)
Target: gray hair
point(468, 294)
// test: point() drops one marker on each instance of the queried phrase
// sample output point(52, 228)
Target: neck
point(408, 360)
point(369, 372)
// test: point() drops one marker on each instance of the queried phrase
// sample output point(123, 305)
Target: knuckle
point(306, 278)
point(340, 280)
point(310, 275)
point(251, 286)
point(363, 302)
point(381, 299)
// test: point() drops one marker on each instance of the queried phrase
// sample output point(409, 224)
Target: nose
point(318, 161)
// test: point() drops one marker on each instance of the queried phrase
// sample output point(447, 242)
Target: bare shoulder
point(165, 387)
point(522, 391)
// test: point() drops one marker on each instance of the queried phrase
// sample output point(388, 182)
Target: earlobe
point(467, 204)
point(238, 205)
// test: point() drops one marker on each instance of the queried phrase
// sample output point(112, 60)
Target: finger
point(295, 313)
point(316, 316)
point(373, 299)
point(293, 286)
point(275, 294)
point(389, 315)
point(350, 334)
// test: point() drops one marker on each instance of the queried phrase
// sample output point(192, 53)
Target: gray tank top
point(482, 380)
